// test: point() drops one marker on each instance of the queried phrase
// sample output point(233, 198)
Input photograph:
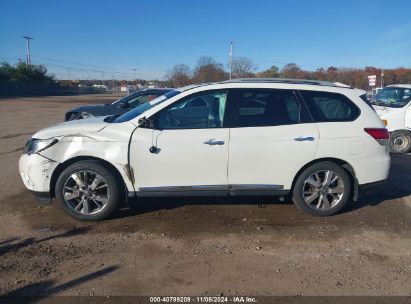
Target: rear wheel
point(400, 141)
point(88, 191)
point(322, 189)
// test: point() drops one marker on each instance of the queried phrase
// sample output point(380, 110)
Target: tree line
point(25, 73)
point(208, 69)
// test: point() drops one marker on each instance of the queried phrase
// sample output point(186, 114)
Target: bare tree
point(243, 67)
point(208, 69)
point(290, 70)
point(179, 75)
point(272, 72)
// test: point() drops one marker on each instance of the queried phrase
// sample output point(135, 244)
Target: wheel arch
point(344, 164)
point(60, 168)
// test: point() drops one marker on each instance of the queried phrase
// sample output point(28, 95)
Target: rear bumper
point(371, 169)
point(43, 198)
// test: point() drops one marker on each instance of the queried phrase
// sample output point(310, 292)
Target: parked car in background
point(117, 107)
point(393, 105)
point(315, 141)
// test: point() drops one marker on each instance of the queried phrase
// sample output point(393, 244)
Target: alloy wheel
point(86, 192)
point(323, 190)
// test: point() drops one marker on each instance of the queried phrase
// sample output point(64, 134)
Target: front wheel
point(88, 191)
point(400, 141)
point(322, 189)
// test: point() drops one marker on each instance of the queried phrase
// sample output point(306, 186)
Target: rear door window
point(265, 107)
point(328, 106)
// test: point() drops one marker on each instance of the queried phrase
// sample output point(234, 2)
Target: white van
point(393, 105)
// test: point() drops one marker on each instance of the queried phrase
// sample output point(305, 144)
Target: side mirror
point(147, 123)
point(123, 105)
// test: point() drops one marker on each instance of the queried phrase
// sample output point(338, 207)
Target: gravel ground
point(207, 246)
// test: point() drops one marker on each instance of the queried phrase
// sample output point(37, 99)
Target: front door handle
point(214, 142)
point(304, 138)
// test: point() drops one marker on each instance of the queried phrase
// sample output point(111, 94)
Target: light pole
point(230, 58)
point(28, 59)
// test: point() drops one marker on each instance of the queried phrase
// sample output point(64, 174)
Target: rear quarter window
point(329, 107)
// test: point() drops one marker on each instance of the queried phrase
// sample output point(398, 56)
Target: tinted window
point(197, 111)
point(326, 106)
point(260, 107)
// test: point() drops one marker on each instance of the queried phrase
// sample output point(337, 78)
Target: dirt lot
point(207, 246)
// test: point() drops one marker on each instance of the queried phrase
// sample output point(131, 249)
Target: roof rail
point(287, 80)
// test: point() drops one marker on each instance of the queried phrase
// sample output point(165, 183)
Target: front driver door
point(190, 143)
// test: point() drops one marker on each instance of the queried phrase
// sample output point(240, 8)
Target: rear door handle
point(304, 138)
point(214, 142)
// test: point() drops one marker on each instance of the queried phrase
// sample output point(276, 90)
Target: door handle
point(214, 142)
point(304, 138)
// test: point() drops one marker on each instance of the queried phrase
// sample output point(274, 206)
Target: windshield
point(392, 97)
point(136, 99)
point(145, 106)
point(126, 98)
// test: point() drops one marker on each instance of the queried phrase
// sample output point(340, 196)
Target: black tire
point(114, 190)
point(400, 141)
point(300, 186)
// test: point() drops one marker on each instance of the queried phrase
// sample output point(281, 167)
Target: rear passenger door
point(271, 138)
point(336, 117)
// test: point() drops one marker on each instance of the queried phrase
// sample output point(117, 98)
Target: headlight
point(35, 145)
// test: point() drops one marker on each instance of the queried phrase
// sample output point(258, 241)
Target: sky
point(143, 39)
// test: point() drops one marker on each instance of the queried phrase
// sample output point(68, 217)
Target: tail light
point(379, 134)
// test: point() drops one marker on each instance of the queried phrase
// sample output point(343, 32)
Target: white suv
point(314, 141)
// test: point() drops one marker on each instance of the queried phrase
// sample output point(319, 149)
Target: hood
point(73, 127)
point(98, 110)
point(91, 107)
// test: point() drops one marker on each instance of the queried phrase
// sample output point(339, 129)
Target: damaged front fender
point(36, 171)
point(110, 147)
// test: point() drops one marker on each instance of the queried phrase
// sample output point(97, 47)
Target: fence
point(18, 88)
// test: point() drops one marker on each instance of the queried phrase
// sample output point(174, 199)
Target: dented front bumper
point(36, 171)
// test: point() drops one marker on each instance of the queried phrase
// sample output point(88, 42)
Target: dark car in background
point(117, 107)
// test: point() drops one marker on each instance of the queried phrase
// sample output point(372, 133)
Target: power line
point(92, 65)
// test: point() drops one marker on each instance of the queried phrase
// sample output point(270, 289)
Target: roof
point(407, 86)
point(268, 81)
point(193, 86)
point(287, 81)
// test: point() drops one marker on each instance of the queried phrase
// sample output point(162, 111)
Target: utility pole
point(28, 59)
point(382, 78)
point(69, 74)
point(230, 59)
point(112, 83)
